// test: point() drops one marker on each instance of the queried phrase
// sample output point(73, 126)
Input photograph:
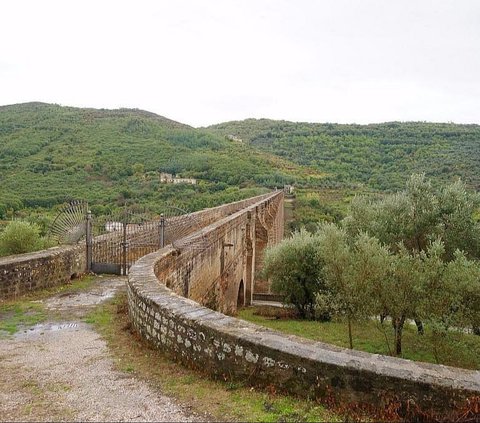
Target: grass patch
point(100, 316)
point(456, 349)
point(27, 311)
point(224, 401)
point(15, 315)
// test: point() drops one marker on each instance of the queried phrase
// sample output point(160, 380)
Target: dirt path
point(62, 370)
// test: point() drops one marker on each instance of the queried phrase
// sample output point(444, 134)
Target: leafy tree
point(454, 295)
point(295, 270)
point(402, 292)
point(424, 285)
point(457, 226)
point(419, 215)
point(138, 169)
point(352, 272)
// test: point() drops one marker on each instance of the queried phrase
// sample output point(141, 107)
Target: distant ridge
point(377, 156)
point(101, 112)
point(50, 154)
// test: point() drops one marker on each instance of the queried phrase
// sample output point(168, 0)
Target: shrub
point(20, 237)
point(295, 271)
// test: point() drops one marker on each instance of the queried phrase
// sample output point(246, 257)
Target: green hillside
point(50, 154)
point(376, 156)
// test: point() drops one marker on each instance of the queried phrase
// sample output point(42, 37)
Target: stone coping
point(26, 257)
point(145, 284)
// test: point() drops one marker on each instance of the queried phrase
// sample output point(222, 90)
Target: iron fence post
point(162, 230)
point(124, 249)
point(89, 239)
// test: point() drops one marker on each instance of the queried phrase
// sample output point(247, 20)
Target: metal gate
point(115, 241)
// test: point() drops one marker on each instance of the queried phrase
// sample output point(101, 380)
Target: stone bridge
point(220, 269)
point(179, 301)
point(263, 226)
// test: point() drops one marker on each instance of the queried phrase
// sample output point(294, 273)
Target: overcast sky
point(208, 61)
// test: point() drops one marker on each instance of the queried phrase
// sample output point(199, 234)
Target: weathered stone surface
point(43, 269)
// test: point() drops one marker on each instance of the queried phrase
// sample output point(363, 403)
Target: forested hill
point(380, 156)
point(50, 154)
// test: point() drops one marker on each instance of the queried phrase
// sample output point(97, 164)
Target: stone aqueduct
point(180, 301)
point(219, 266)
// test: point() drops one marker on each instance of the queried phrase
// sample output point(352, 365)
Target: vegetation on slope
point(50, 154)
point(375, 156)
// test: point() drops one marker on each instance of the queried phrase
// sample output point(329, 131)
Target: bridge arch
point(241, 295)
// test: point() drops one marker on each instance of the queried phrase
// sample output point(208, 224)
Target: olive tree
point(409, 222)
point(352, 272)
point(364, 278)
point(419, 215)
point(295, 270)
point(455, 219)
point(424, 285)
point(454, 295)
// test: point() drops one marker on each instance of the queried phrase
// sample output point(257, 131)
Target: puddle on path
point(44, 328)
point(85, 300)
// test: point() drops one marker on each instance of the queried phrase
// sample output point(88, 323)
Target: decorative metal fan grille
point(69, 227)
point(117, 240)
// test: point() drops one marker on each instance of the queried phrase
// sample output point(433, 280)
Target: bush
point(295, 270)
point(20, 237)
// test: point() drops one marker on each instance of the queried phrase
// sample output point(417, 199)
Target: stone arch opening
point(261, 286)
point(241, 295)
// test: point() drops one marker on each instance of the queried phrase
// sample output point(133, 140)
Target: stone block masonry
point(23, 273)
point(227, 347)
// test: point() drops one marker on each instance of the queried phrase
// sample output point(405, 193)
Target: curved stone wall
point(229, 347)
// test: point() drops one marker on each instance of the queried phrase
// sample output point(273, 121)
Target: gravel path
point(62, 371)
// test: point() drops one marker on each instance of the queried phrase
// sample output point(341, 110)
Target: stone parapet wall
point(227, 347)
point(208, 216)
point(195, 273)
point(23, 273)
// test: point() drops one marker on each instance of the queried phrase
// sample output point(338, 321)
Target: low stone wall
point(224, 346)
point(22, 273)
